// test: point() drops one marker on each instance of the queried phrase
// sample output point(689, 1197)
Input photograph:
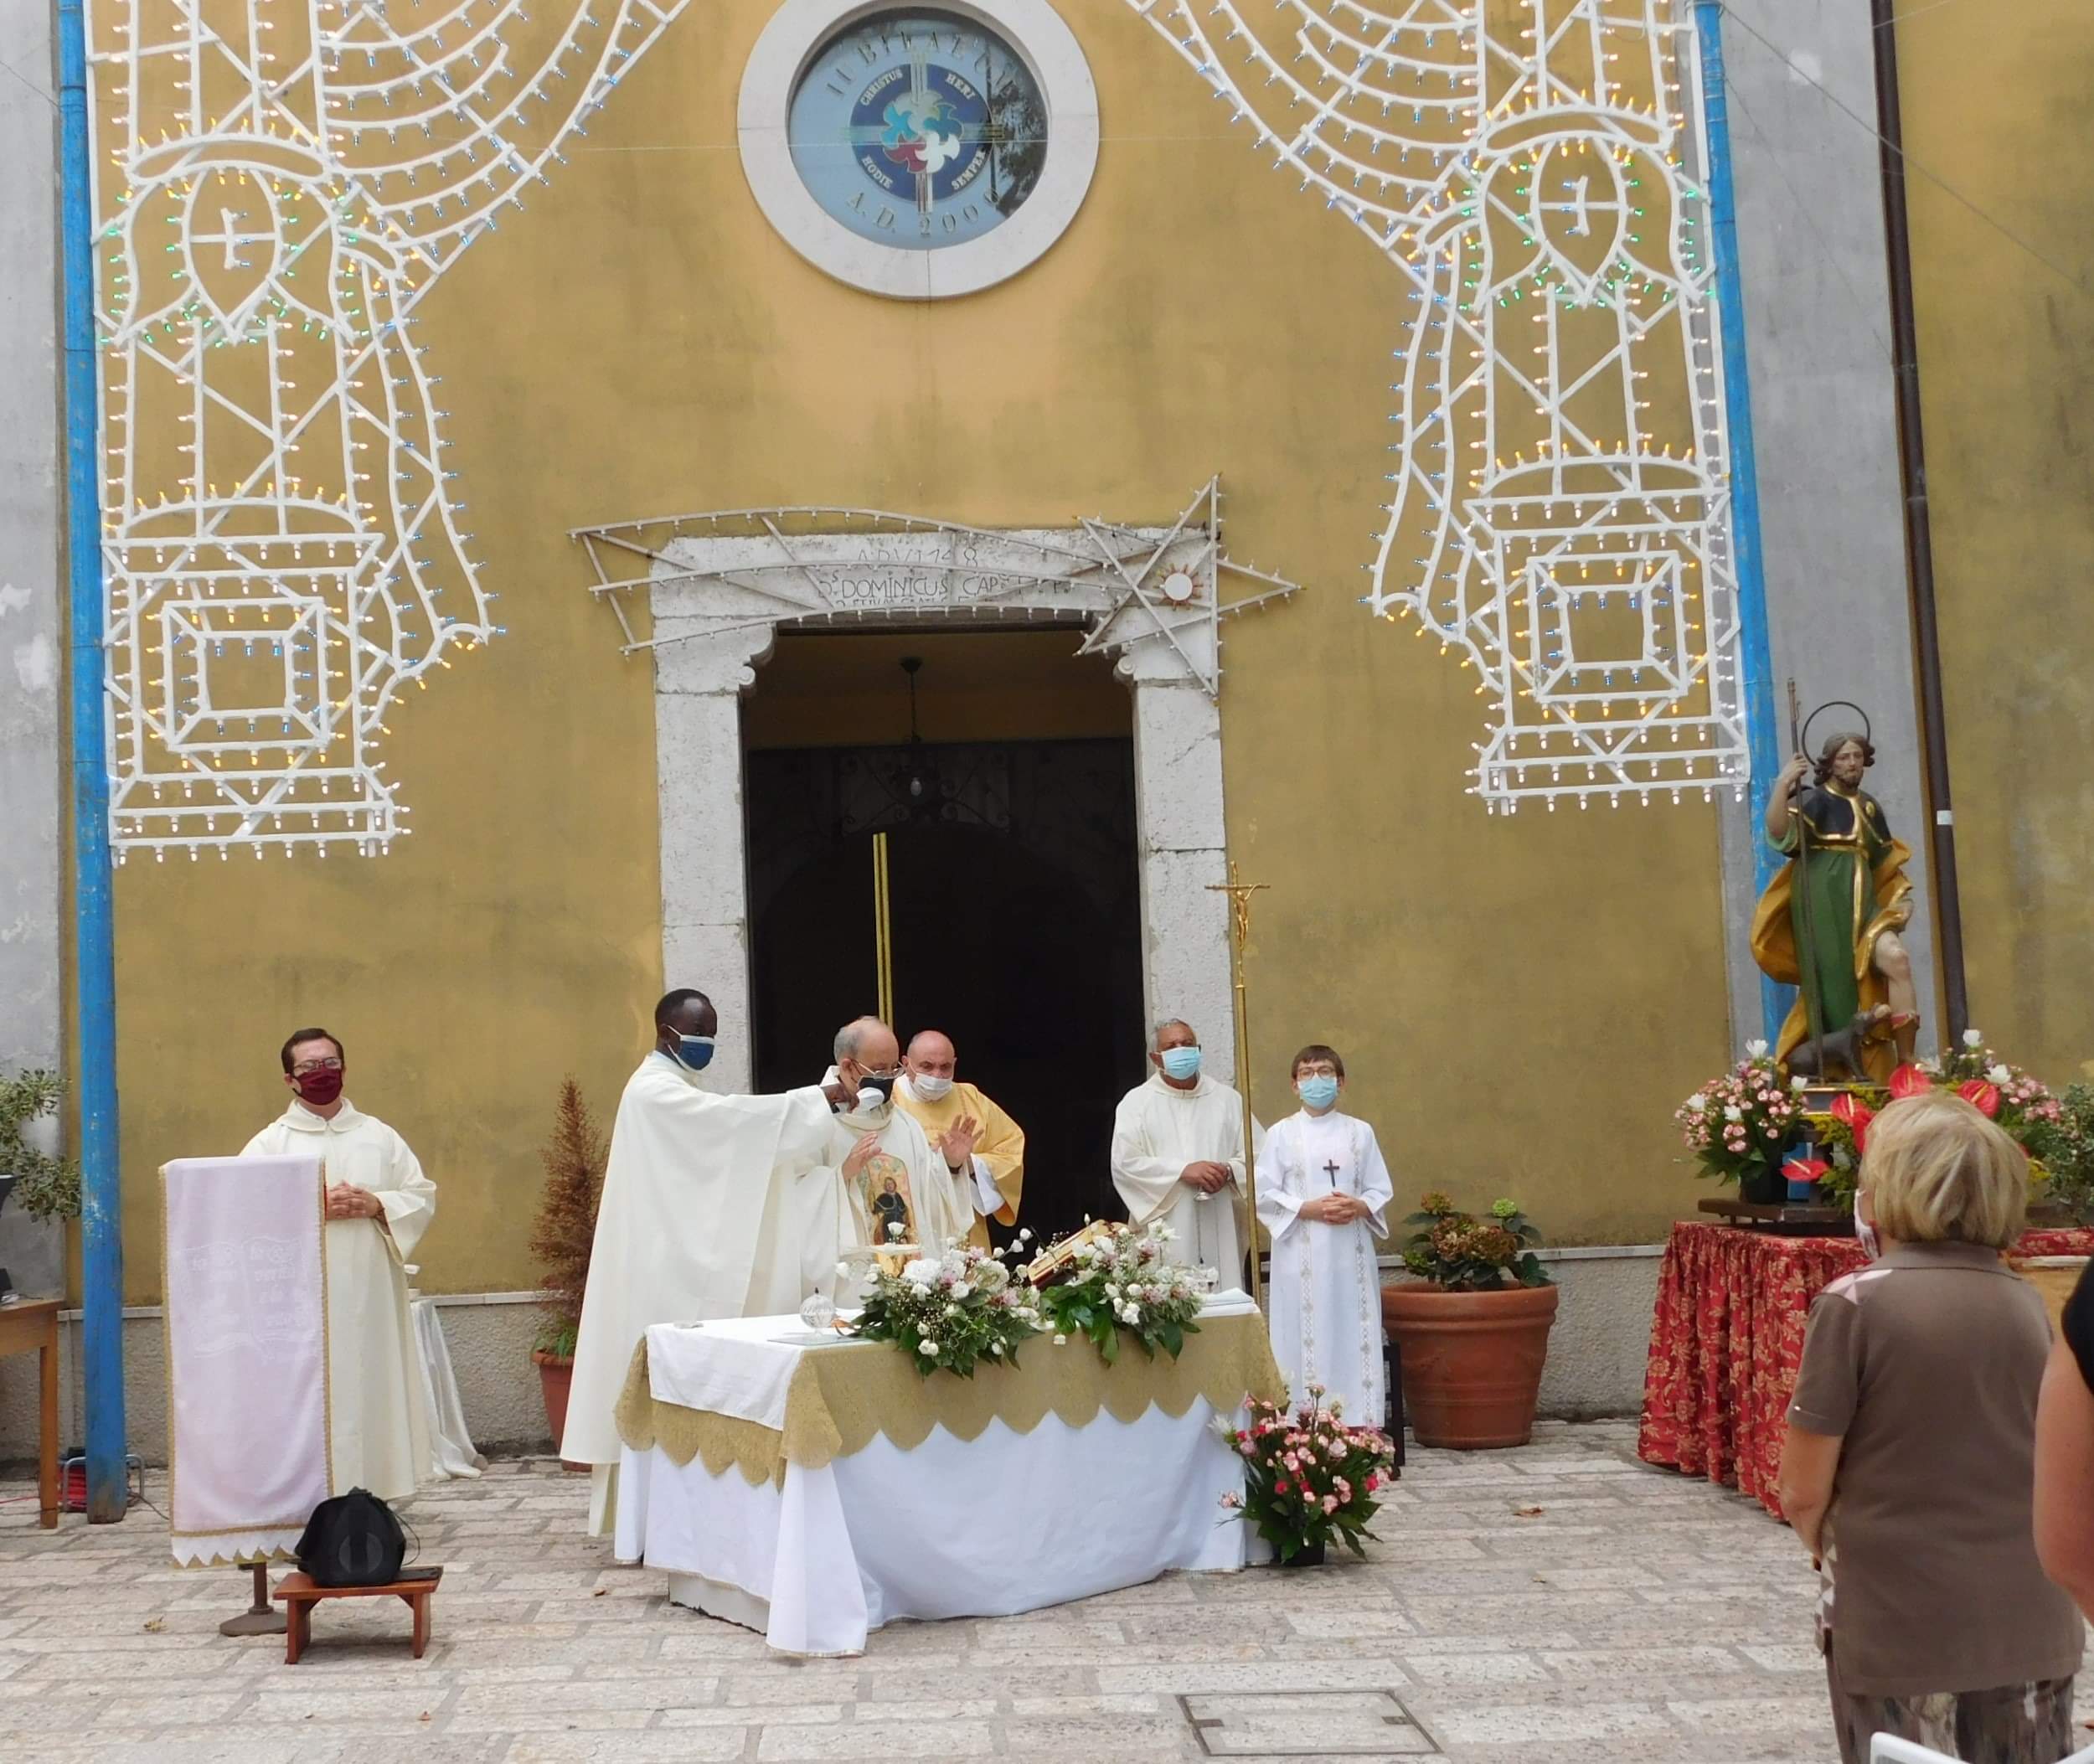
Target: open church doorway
point(1006, 794)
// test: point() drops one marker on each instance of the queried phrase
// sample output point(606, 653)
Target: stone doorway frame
point(721, 586)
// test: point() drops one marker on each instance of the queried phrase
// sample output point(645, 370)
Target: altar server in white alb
point(379, 1203)
point(1322, 1191)
point(713, 1206)
point(1178, 1155)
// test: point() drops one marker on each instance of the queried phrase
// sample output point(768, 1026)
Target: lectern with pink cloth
point(247, 1355)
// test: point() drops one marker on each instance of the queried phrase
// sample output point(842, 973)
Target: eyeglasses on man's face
point(306, 1068)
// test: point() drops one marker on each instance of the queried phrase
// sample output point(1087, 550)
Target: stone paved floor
point(1560, 1603)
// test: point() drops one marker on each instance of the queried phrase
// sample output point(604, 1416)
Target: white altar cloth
point(1004, 1523)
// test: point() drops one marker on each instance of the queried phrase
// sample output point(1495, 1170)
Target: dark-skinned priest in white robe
point(713, 1206)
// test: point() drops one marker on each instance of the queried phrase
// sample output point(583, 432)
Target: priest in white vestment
point(1322, 1192)
point(379, 1203)
point(896, 1188)
point(713, 1206)
point(1178, 1155)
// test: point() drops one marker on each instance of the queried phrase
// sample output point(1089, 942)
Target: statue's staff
point(1806, 965)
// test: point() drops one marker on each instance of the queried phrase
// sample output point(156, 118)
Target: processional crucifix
point(1240, 892)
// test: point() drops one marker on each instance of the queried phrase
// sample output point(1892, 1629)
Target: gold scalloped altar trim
point(840, 1398)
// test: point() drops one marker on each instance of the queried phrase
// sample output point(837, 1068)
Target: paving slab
point(1559, 1601)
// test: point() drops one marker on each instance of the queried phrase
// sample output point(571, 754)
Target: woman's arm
point(2065, 1477)
point(1809, 1463)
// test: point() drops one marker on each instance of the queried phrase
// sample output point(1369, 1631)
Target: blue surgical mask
point(1318, 1091)
point(1181, 1063)
point(694, 1052)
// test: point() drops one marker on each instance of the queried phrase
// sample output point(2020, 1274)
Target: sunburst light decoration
point(280, 184)
point(1560, 508)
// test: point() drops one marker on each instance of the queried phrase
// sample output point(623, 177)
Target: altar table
point(815, 1492)
point(1727, 1343)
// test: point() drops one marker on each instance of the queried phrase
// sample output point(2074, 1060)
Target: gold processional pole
point(883, 933)
point(1240, 893)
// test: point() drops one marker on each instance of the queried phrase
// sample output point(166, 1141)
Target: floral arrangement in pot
point(1308, 1479)
point(950, 1312)
point(1473, 1327)
point(1120, 1281)
point(1738, 1125)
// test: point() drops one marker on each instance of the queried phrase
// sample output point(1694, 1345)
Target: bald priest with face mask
point(976, 1139)
point(713, 1206)
point(1178, 1155)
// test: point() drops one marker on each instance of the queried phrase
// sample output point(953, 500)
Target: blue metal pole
point(1762, 742)
point(95, 953)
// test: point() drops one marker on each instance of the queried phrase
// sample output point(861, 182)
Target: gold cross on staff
point(1239, 892)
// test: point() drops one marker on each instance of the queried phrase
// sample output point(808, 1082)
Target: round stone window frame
point(799, 30)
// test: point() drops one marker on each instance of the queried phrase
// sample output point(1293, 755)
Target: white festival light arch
point(1560, 507)
point(279, 185)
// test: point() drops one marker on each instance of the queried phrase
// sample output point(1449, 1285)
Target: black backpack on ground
point(353, 1539)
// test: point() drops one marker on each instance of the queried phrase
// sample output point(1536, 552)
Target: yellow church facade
point(812, 499)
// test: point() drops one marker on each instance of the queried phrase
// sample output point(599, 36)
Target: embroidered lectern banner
point(247, 1354)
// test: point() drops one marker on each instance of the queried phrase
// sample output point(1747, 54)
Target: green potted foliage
point(45, 1185)
point(561, 1240)
point(1473, 1325)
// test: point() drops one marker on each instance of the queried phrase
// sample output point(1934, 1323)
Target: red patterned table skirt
point(1727, 1340)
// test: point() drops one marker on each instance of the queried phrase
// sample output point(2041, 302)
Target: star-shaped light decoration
point(714, 573)
point(1163, 593)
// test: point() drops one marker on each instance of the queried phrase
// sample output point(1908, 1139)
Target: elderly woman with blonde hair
point(1910, 1459)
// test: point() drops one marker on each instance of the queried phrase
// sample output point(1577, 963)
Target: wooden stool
point(300, 1593)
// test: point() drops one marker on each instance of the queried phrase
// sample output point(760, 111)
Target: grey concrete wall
point(1818, 320)
point(1601, 1337)
point(31, 656)
point(489, 1337)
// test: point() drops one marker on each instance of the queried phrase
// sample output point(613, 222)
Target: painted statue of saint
point(1828, 923)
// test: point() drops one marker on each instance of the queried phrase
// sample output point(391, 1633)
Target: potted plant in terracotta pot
point(561, 1241)
point(1473, 1327)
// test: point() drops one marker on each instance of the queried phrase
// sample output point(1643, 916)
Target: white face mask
point(932, 1089)
point(1871, 1245)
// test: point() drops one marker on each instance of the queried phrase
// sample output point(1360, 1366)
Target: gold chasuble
point(1853, 873)
point(1000, 1144)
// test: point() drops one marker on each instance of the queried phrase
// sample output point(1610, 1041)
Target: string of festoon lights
point(278, 186)
point(1559, 515)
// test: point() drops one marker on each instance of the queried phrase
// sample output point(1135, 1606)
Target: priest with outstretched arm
point(713, 1206)
point(1178, 1154)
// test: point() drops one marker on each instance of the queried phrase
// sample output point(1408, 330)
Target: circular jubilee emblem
point(919, 128)
point(919, 151)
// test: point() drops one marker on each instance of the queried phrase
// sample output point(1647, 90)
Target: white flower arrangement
point(1123, 1280)
point(950, 1310)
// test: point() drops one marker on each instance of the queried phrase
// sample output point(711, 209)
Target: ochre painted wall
point(1523, 1001)
point(1995, 103)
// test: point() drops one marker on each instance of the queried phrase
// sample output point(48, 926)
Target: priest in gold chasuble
point(1831, 918)
point(976, 1139)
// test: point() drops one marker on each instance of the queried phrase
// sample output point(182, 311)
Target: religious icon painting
point(883, 1189)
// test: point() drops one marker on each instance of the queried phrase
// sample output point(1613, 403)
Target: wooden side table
point(33, 1325)
point(300, 1593)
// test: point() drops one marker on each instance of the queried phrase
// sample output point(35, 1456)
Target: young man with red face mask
point(379, 1203)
